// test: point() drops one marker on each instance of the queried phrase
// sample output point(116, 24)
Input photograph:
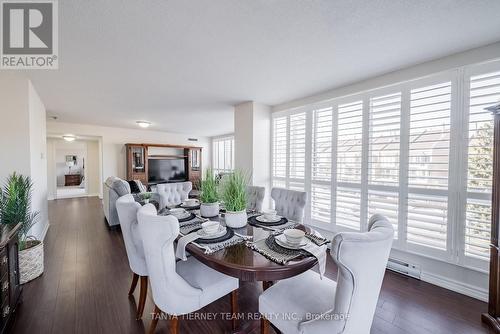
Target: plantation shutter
point(429, 146)
point(297, 151)
point(279, 159)
point(484, 91)
point(349, 156)
point(321, 173)
point(383, 157)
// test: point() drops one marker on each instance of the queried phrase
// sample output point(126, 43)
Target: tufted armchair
point(346, 306)
point(255, 197)
point(178, 287)
point(173, 193)
point(289, 203)
point(127, 209)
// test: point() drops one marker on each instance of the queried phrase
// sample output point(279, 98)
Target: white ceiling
point(187, 62)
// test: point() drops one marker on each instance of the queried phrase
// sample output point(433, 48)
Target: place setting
point(190, 204)
point(269, 219)
point(290, 244)
point(209, 235)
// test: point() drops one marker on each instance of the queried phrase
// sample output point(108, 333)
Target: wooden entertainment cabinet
point(138, 156)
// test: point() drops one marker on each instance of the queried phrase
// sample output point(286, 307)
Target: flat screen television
point(166, 170)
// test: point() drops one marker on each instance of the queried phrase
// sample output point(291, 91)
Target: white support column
point(252, 141)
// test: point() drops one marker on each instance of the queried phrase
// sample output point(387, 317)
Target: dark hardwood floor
point(86, 280)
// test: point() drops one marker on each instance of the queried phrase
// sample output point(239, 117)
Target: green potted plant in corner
point(15, 207)
point(209, 196)
point(235, 199)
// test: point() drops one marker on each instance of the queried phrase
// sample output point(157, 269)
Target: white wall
point(468, 281)
point(22, 140)
point(114, 139)
point(92, 168)
point(14, 127)
point(38, 162)
point(473, 56)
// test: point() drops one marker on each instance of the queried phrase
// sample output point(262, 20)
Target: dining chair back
point(173, 193)
point(255, 197)
point(171, 292)
point(289, 203)
point(346, 306)
point(127, 209)
point(361, 259)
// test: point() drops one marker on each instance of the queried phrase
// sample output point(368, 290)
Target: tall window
point(429, 146)
point(418, 152)
point(484, 90)
point(223, 155)
point(384, 156)
point(349, 153)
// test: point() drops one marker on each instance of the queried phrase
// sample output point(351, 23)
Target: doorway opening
point(73, 167)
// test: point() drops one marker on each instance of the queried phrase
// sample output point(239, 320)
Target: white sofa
point(114, 188)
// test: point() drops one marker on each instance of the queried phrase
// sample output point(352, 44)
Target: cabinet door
point(14, 271)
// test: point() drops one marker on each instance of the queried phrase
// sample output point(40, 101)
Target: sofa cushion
point(121, 187)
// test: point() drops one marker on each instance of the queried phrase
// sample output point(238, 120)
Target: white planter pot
point(31, 263)
point(146, 200)
point(209, 210)
point(236, 219)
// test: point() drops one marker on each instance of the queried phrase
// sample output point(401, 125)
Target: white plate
point(222, 231)
point(263, 219)
point(281, 240)
point(184, 205)
point(183, 215)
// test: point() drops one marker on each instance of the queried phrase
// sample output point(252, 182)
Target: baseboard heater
point(404, 268)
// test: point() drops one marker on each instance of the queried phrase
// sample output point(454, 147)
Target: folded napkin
point(319, 252)
point(210, 248)
point(180, 252)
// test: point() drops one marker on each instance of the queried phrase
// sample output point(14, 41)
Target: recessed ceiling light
point(143, 124)
point(69, 137)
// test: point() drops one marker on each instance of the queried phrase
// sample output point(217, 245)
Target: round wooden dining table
point(242, 262)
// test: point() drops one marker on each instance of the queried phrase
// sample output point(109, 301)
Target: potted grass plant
point(15, 207)
point(209, 196)
point(235, 199)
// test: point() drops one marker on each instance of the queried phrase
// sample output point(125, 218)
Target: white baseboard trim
point(454, 285)
point(44, 232)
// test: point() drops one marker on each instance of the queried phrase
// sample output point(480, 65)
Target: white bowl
point(190, 202)
point(270, 214)
point(294, 236)
point(210, 227)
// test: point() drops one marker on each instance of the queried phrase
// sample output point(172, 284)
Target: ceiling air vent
point(193, 139)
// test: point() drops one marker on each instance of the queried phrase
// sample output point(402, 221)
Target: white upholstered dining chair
point(289, 203)
point(255, 197)
point(127, 209)
point(173, 193)
point(324, 306)
point(178, 287)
